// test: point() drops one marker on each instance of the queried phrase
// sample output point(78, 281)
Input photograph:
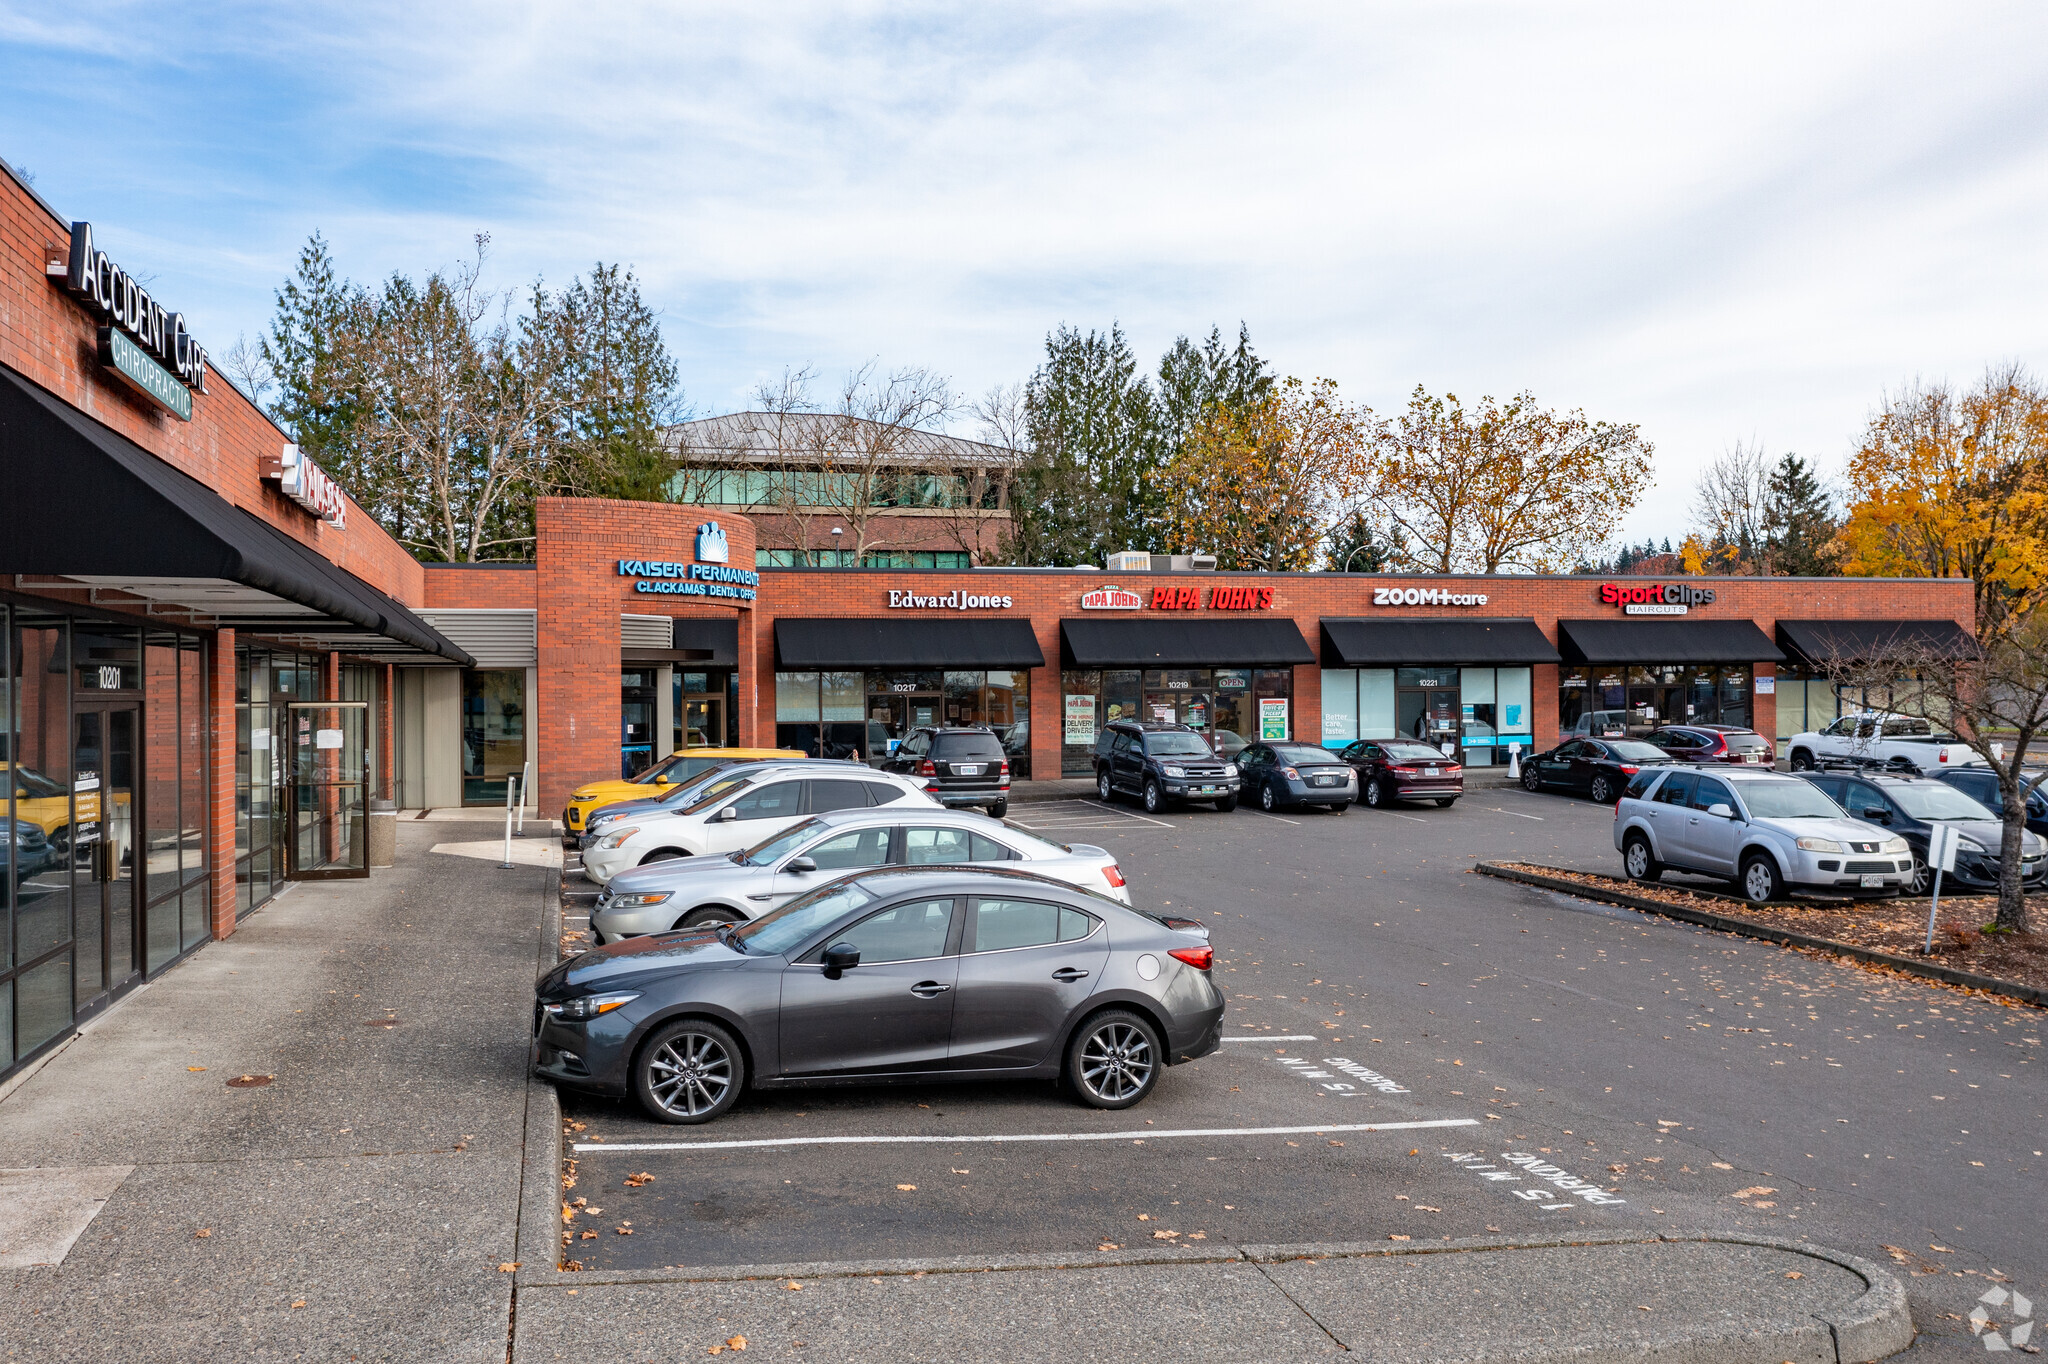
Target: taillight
point(1399, 767)
point(1630, 771)
point(1198, 957)
point(1114, 875)
point(1003, 769)
point(927, 769)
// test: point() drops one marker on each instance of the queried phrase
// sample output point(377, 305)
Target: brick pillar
point(1764, 708)
point(747, 689)
point(1543, 706)
point(1305, 715)
point(1048, 704)
point(220, 777)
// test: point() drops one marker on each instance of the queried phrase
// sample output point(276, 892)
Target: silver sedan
point(718, 888)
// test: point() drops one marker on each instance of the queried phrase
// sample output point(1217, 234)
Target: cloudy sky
point(1721, 222)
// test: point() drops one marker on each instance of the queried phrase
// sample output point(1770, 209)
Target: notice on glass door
point(1272, 718)
point(327, 738)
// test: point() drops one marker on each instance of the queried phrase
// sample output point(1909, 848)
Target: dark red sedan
point(1715, 744)
point(1402, 769)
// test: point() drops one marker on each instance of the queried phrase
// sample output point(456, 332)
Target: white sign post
point(1514, 762)
point(1941, 856)
point(524, 768)
point(511, 794)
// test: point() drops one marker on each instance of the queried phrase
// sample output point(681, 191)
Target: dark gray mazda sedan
point(891, 975)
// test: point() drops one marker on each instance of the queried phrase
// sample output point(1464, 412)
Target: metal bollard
point(524, 768)
point(511, 786)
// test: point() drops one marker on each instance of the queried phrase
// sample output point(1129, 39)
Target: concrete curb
point(540, 1167)
point(1724, 923)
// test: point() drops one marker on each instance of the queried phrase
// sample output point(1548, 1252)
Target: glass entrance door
point(703, 722)
point(329, 789)
point(1430, 714)
point(103, 845)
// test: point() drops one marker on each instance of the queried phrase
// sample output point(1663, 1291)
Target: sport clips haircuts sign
point(140, 341)
point(1655, 599)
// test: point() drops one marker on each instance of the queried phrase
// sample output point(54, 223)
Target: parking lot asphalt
point(1581, 1068)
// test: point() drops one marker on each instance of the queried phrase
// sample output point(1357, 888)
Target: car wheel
point(1103, 790)
point(660, 855)
point(1638, 861)
point(1761, 881)
point(1530, 781)
point(1446, 802)
point(1802, 761)
point(1338, 809)
point(1922, 880)
point(1602, 791)
point(1114, 1059)
point(1267, 800)
point(1375, 794)
point(999, 809)
point(1155, 799)
point(689, 1072)
point(707, 916)
point(1226, 805)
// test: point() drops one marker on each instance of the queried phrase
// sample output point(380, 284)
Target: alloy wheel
point(1117, 1062)
point(1637, 859)
point(1102, 786)
point(1602, 791)
point(1266, 796)
point(1374, 795)
point(690, 1074)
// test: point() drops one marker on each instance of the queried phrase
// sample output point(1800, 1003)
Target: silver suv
point(1767, 833)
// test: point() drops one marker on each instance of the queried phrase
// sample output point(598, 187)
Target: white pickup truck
point(1899, 742)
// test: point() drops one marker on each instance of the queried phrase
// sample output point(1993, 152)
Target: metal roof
point(747, 437)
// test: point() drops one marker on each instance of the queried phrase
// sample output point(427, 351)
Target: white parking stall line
point(1139, 1134)
point(1516, 813)
point(1398, 815)
point(1127, 814)
point(1276, 1037)
point(1283, 819)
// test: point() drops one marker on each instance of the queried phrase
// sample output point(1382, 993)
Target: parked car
point(742, 807)
point(687, 790)
point(1912, 806)
point(1981, 785)
point(691, 892)
point(1402, 769)
point(1159, 763)
point(40, 800)
point(1766, 832)
point(1605, 724)
point(903, 974)
point(25, 849)
point(1293, 775)
point(676, 768)
point(1875, 738)
point(1599, 768)
point(958, 766)
point(1732, 744)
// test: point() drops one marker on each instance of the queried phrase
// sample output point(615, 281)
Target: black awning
point(1665, 641)
point(1194, 642)
point(1383, 641)
point(1816, 643)
point(938, 640)
point(708, 639)
point(84, 500)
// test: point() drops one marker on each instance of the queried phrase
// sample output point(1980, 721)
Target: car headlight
point(1230, 769)
point(1971, 845)
point(1826, 845)
point(616, 837)
point(1894, 846)
point(588, 1007)
point(639, 899)
point(1172, 771)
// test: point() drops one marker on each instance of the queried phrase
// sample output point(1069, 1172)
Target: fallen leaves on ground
point(1396, 1236)
point(793, 1286)
point(300, 1303)
point(635, 1181)
point(195, 1067)
point(1794, 1274)
point(1164, 1235)
point(907, 1188)
point(1754, 1191)
point(1107, 1245)
point(508, 1266)
point(203, 1233)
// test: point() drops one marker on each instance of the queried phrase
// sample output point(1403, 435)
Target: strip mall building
point(217, 675)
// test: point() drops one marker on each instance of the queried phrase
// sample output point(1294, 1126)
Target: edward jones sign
point(1655, 599)
point(946, 601)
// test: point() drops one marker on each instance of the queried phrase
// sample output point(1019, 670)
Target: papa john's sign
point(1181, 597)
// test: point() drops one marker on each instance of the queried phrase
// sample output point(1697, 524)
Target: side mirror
point(728, 813)
point(800, 865)
point(661, 781)
point(1877, 814)
point(839, 957)
point(1721, 811)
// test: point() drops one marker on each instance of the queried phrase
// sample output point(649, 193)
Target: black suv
point(960, 766)
point(1909, 807)
point(1160, 763)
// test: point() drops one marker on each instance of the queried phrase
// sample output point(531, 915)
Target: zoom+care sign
point(1655, 599)
point(710, 576)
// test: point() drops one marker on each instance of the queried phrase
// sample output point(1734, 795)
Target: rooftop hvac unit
point(1183, 563)
point(1130, 561)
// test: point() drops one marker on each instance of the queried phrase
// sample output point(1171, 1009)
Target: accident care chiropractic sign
point(139, 340)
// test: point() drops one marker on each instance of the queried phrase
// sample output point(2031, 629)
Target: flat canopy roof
point(86, 503)
point(1816, 643)
point(1193, 642)
point(1382, 641)
point(931, 641)
point(1665, 641)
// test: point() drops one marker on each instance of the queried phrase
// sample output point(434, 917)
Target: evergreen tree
point(1355, 545)
point(1800, 521)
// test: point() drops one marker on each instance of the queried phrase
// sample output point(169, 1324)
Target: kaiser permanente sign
point(147, 346)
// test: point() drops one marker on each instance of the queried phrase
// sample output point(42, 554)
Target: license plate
point(1873, 883)
point(1429, 771)
point(1208, 790)
point(966, 769)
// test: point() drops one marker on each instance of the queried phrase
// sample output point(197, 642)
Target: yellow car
point(679, 766)
point(41, 801)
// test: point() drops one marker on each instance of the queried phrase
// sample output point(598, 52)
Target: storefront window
point(493, 732)
point(1272, 706)
point(1340, 706)
point(1515, 692)
point(1080, 719)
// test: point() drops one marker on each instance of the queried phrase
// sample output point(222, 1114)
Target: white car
point(741, 808)
point(698, 891)
point(1766, 832)
point(1900, 742)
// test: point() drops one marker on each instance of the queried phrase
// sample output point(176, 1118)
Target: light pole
point(1354, 554)
point(837, 531)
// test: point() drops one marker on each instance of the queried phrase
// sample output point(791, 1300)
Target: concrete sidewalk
point(358, 1205)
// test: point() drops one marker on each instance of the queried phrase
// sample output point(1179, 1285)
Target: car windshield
point(715, 792)
point(1172, 745)
point(1629, 751)
point(783, 931)
point(1412, 753)
point(1936, 800)
point(1788, 799)
point(788, 841)
point(1301, 754)
point(690, 787)
point(35, 783)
